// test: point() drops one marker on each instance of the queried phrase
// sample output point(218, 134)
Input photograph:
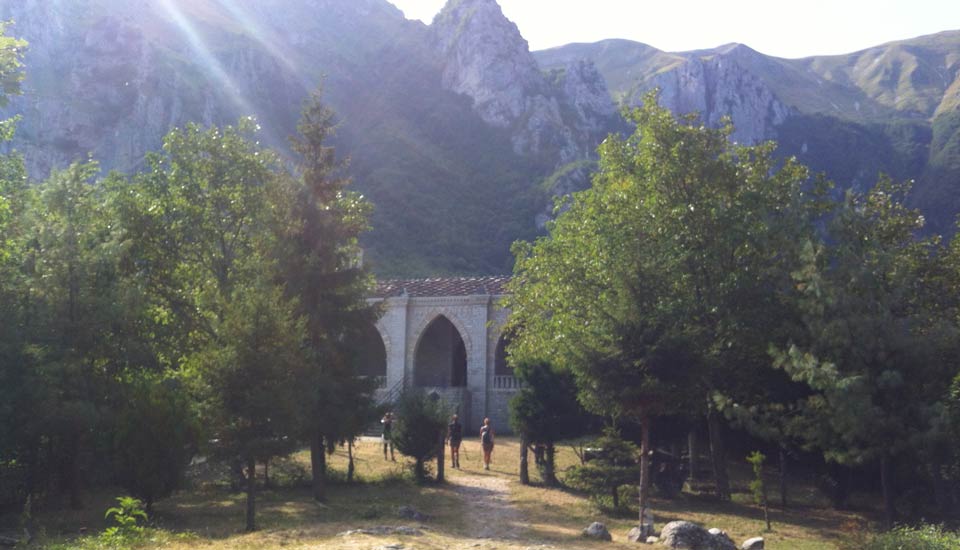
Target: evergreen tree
point(319, 265)
point(874, 356)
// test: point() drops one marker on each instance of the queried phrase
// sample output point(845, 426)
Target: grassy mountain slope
point(111, 77)
point(893, 108)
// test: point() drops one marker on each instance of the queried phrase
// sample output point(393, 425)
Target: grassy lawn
point(209, 516)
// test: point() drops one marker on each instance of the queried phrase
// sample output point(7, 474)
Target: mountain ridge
point(457, 132)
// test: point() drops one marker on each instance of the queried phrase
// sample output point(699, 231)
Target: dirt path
point(489, 509)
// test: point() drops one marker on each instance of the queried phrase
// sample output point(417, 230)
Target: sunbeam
point(206, 57)
point(264, 38)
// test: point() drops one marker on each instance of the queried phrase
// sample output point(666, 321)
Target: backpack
point(486, 437)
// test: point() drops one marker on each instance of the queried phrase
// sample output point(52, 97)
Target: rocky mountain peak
point(486, 58)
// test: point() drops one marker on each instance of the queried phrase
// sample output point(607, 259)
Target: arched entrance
point(440, 360)
point(503, 376)
point(370, 355)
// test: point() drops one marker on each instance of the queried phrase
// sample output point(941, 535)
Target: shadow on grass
point(215, 513)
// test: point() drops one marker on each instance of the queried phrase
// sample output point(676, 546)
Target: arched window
point(500, 366)
point(370, 355)
point(440, 359)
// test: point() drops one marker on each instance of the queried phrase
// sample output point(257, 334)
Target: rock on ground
point(756, 543)
point(690, 536)
point(597, 531)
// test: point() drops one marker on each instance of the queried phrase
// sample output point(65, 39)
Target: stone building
point(444, 336)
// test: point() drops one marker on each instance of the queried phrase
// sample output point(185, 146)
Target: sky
point(773, 27)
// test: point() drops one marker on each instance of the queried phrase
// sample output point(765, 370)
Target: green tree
point(253, 379)
point(155, 435)
point(13, 201)
point(201, 228)
point(545, 411)
point(614, 467)
point(874, 357)
point(418, 428)
point(319, 264)
point(658, 286)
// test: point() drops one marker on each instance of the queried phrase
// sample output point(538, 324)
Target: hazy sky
point(773, 27)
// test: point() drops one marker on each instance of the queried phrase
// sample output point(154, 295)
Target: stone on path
point(756, 543)
point(597, 531)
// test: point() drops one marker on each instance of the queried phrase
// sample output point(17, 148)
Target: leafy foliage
point(926, 537)
point(419, 427)
point(546, 409)
point(614, 466)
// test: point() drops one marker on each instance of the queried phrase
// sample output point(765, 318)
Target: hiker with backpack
point(486, 441)
point(455, 435)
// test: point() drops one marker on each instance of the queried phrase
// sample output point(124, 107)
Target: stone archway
point(440, 356)
point(370, 355)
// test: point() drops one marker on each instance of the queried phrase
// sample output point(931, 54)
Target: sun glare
point(204, 55)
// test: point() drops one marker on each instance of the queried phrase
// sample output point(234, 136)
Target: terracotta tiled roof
point(445, 286)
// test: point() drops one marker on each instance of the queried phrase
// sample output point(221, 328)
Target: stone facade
point(472, 307)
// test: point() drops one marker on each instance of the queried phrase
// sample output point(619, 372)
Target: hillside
point(893, 108)
point(456, 132)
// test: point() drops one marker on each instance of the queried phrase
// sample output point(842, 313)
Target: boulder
point(642, 532)
point(690, 536)
point(756, 543)
point(597, 531)
point(653, 540)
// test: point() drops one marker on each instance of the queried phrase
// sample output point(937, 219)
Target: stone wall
point(478, 320)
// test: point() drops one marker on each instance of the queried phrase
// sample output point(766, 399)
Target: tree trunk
point(441, 455)
point(350, 466)
point(783, 478)
point(524, 452)
point(549, 466)
point(418, 470)
point(644, 489)
point(72, 472)
point(693, 447)
point(251, 494)
point(886, 483)
point(717, 455)
point(266, 474)
point(940, 486)
point(318, 467)
point(615, 494)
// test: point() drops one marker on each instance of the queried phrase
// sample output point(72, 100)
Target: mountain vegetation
point(459, 135)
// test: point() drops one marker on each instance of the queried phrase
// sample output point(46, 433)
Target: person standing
point(455, 436)
point(387, 422)
point(486, 441)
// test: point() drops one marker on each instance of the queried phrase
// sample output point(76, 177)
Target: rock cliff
point(559, 115)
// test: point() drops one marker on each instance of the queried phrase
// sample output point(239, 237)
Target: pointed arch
point(440, 355)
point(500, 365)
point(370, 353)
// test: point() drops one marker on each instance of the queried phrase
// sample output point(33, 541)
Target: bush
point(420, 423)
point(926, 537)
point(154, 438)
point(614, 466)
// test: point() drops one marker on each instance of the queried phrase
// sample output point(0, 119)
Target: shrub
point(926, 537)
point(418, 429)
point(614, 465)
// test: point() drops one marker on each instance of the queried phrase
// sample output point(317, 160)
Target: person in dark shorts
point(455, 436)
point(387, 422)
point(486, 441)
